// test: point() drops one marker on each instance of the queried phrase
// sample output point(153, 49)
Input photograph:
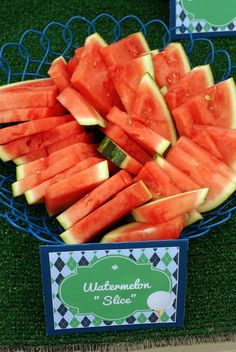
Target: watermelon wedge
point(170, 65)
point(145, 137)
point(205, 158)
point(42, 163)
point(8, 134)
point(110, 212)
point(151, 110)
point(37, 193)
point(27, 114)
point(126, 78)
point(94, 199)
point(116, 134)
point(118, 156)
point(79, 107)
point(30, 143)
point(193, 83)
point(91, 77)
point(72, 63)
point(58, 73)
point(64, 193)
point(34, 83)
point(21, 186)
point(220, 188)
point(145, 176)
point(169, 230)
point(216, 106)
point(32, 97)
point(164, 209)
point(125, 49)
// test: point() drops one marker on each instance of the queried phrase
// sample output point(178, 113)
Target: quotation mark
point(133, 295)
point(96, 298)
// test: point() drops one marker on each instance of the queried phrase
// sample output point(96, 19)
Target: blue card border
point(47, 292)
point(195, 35)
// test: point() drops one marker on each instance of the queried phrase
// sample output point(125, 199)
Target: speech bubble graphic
point(114, 287)
point(215, 12)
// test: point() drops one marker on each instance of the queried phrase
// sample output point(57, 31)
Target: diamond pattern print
point(186, 20)
point(64, 264)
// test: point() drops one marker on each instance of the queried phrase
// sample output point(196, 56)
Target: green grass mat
point(211, 290)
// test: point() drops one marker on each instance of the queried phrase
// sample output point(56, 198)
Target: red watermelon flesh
point(126, 78)
point(29, 97)
point(147, 178)
point(72, 63)
point(151, 110)
point(37, 193)
point(193, 83)
point(34, 83)
point(225, 140)
point(205, 158)
point(107, 214)
point(42, 163)
point(170, 65)
point(116, 133)
point(37, 141)
point(92, 79)
point(169, 230)
point(64, 193)
point(27, 114)
point(220, 188)
point(80, 108)
point(145, 137)
point(94, 199)
point(125, 49)
point(216, 106)
point(59, 74)
point(8, 134)
point(164, 209)
point(21, 186)
point(201, 137)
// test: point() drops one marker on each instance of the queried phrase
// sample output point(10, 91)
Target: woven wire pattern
point(34, 219)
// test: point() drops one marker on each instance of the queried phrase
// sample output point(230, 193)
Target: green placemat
point(210, 303)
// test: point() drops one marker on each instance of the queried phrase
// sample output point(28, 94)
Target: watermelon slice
point(58, 73)
point(42, 163)
point(92, 79)
point(34, 83)
point(32, 97)
point(147, 178)
point(193, 83)
point(110, 212)
point(37, 193)
point(170, 65)
point(220, 188)
point(8, 134)
point(94, 199)
point(124, 50)
point(144, 136)
point(79, 107)
point(169, 230)
point(21, 186)
point(118, 156)
point(164, 209)
point(30, 143)
point(216, 106)
point(72, 63)
point(27, 114)
point(116, 134)
point(126, 78)
point(151, 110)
point(205, 158)
point(64, 193)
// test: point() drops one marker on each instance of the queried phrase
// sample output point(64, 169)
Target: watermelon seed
point(41, 159)
point(208, 97)
point(95, 63)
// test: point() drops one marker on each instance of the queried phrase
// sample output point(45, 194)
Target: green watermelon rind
point(143, 41)
point(148, 80)
point(22, 83)
point(95, 36)
point(4, 156)
point(180, 49)
point(146, 61)
point(111, 151)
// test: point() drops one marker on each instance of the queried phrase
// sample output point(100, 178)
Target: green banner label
point(215, 12)
point(115, 287)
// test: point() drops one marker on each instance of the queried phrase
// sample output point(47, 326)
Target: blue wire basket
point(34, 220)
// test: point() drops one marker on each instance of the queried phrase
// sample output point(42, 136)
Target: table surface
point(210, 302)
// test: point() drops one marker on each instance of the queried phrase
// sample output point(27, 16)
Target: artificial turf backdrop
point(210, 303)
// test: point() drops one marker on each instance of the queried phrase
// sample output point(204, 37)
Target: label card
point(97, 287)
point(203, 18)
